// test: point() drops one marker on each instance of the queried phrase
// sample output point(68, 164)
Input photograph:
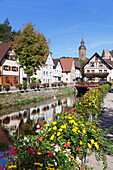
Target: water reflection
point(28, 116)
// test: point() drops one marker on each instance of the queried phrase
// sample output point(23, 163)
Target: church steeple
point(82, 50)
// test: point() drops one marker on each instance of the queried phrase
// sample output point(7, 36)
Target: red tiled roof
point(109, 62)
point(4, 47)
point(66, 64)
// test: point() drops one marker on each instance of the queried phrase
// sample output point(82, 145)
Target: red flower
point(87, 111)
point(79, 148)
point(40, 138)
point(13, 152)
point(50, 154)
point(67, 144)
point(6, 152)
point(1, 157)
point(14, 147)
point(83, 113)
point(20, 162)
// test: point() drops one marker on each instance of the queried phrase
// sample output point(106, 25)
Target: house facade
point(97, 68)
point(10, 70)
point(57, 70)
point(45, 74)
point(68, 70)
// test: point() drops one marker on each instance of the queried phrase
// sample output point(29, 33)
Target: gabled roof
point(56, 60)
point(104, 61)
point(4, 47)
point(66, 64)
point(109, 62)
point(111, 52)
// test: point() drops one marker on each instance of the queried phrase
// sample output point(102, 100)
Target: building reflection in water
point(17, 120)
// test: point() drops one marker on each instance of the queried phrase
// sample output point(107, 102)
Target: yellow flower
point(47, 124)
point(78, 131)
point(12, 166)
point(54, 123)
point(81, 143)
point(50, 164)
point(60, 129)
point(82, 124)
point(52, 137)
point(71, 121)
point(93, 130)
point(83, 130)
point(75, 129)
point(54, 128)
point(38, 163)
point(75, 124)
point(92, 141)
point(39, 153)
point(69, 117)
point(63, 126)
point(58, 134)
point(89, 145)
point(50, 118)
point(96, 145)
point(49, 130)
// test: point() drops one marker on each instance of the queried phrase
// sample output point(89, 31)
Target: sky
point(65, 23)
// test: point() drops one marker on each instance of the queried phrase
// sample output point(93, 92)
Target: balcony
point(99, 74)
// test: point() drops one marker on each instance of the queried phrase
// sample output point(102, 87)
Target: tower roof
point(82, 46)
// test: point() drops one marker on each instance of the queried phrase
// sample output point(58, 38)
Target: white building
point(98, 68)
point(46, 73)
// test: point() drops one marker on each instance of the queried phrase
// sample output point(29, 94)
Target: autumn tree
point(30, 47)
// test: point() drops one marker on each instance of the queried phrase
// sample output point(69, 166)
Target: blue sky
point(65, 22)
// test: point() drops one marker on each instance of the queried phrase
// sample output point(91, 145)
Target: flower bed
point(65, 141)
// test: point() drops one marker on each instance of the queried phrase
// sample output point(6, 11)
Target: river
point(13, 116)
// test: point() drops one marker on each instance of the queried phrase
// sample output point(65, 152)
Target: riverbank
point(16, 98)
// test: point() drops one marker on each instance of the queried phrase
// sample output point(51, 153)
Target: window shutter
point(17, 69)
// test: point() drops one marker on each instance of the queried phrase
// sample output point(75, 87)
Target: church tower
point(82, 51)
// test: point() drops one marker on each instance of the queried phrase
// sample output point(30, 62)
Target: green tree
point(30, 47)
point(82, 63)
point(6, 33)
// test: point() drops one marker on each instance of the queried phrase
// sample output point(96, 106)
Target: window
point(91, 64)
point(67, 73)
point(105, 70)
point(44, 72)
point(100, 65)
point(66, 79)
point(96, 58)
point(6, 68)
point(14, 68)
point(100, 71)
point(88, 71)
point(7, 79)
point(92, 71)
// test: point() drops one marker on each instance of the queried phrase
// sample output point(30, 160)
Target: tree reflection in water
point(27, 120)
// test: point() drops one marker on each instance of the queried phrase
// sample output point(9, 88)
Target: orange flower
point(67, 144)
point(40, 138)
point(79, 148)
